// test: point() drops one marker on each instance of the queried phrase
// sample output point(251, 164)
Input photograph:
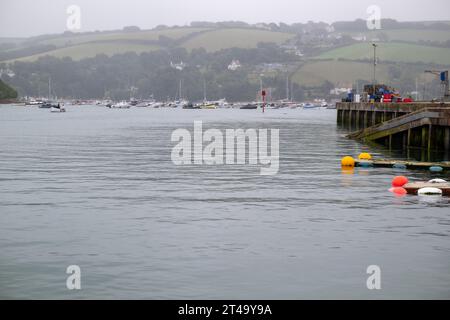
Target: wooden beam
point(424, 137)
point(429, 137)
point(409, 138)
point(447, 139)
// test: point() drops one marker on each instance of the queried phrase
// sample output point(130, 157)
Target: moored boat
point(249, 106)
point(45, 105)
point(49, 105)
point(120, 105)
point(57, 108)
point(142, 104)
point(310, 106)
point(191, 106)
point(33, 103)
point(206, 105)
point(156, 105)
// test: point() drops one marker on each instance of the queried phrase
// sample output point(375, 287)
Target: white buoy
point(429, 192)
point(437, 181)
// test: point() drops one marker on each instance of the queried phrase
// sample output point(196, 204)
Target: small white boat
point(57, 108)
point(121, 105)
point(156, 105)
point(208, 105)
point(182, 103)
point(222, 103)
point(310, 106)
point(33, 103)
point(143, 104)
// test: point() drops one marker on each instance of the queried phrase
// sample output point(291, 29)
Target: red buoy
point(399, 181)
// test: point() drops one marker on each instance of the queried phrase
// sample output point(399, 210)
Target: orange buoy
point(365, 156)
point(398, 191)
point(348, 162)
point(399, 181)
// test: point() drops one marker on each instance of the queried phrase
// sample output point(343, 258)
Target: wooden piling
point(399, 125)
point(447, 139)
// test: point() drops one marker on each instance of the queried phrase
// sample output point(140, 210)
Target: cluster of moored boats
point(213, 104)
point(53, 106)
point(183, 104)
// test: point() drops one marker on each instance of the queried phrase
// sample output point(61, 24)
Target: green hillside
point(418, 35)
point(409, 35)
point(79, 46)
point(341, 73)
point(88, 45)
point(89, 50)
point(227, 38)
point(149, 35)
point(391, 51)
point(326, 57)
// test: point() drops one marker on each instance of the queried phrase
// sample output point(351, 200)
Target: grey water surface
point(96, 187)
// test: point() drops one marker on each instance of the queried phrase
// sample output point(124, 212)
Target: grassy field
point(398, 52)
point(417, 35)
point(409, 35)
point(341, 73)
point(84, 46)
point(175, 33)
point(89, 50)
point(227, 38)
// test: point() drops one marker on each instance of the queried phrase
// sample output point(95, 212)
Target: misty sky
point(33, 17)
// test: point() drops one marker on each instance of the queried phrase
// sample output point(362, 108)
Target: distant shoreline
point(8, 101)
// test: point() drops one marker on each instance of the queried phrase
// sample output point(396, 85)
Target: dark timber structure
point(401, 126)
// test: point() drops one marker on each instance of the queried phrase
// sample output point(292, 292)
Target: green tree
point(6, 92)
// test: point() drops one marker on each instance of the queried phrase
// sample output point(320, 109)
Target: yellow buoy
point(364, 156)
point(348, 161)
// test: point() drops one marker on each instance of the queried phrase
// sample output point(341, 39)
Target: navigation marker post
point(263, 94)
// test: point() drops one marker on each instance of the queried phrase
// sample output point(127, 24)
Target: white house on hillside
point(179, 66)
point(234, 65)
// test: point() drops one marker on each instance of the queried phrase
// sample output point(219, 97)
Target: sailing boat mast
point(49, 88)
point(204, 90)
point(287, 88)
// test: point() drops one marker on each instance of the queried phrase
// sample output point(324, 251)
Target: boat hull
point(54, 109)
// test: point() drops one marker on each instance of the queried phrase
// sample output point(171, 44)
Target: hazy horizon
point(47, 17)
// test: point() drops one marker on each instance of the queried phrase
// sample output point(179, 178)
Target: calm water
point(96, 188)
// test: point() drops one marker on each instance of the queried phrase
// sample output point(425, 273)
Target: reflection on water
point(97, 188)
